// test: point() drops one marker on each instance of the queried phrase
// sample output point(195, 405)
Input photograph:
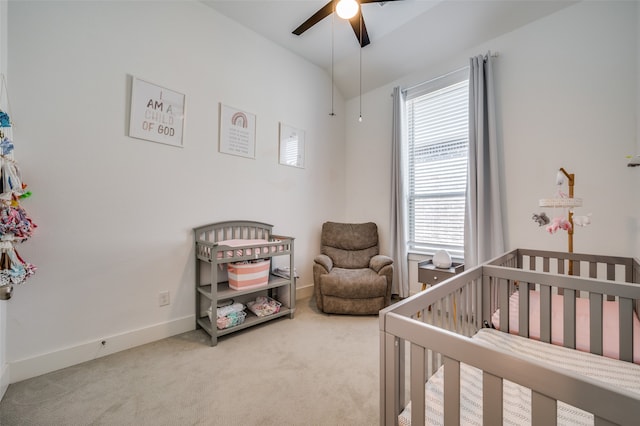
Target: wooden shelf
point(225, 292)
point(249, 321)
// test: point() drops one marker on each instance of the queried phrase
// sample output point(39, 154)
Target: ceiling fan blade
point(375, 1)
point(326, 10)
point(355, 24)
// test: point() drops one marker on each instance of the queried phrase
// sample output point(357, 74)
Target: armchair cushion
point(353, 283)
point(380, 261)
point(324, 261)
point(350, 245)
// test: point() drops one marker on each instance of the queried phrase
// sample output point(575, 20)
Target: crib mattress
point(516, 399)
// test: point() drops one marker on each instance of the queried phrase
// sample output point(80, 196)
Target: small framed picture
point(291, 146)
point(237, 132)
point(157, 113)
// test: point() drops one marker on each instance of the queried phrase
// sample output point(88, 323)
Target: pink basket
point(248, 275)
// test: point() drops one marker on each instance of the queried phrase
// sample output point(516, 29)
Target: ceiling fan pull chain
point(332, 113)
point(360, 118)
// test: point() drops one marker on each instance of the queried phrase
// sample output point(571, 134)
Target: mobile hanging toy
point(563, 206)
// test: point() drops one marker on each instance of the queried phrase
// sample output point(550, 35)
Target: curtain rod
point(493, 55)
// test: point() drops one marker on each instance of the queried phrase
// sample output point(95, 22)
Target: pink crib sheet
point(610, 330)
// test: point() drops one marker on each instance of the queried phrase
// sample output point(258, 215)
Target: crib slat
point(503, 302)
point(544, 411)
point(611, 276)
point(491, 399)
point(595, 327)
point(464, 310)
point(461, 306)
point(451, 393)
point(478, 301)
point(444, 307)
point(418, 355)
point(449, 310)
point(392, 388)
point(626, 329)
point(545, 313)
point(485, 302)
point(473, 307)
point(523, 310)
point(434, 364)
point(569, 315)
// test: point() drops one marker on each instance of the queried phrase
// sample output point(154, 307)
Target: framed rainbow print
point(237, 132)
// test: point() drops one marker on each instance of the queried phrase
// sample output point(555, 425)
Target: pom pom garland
point(5, 121)
point(14, 269)
point(6, 146)
point(15, 225)
point(15, 221)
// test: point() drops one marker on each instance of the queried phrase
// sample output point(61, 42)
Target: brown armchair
point(350, 276)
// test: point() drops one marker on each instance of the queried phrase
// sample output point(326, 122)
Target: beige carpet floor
point(315, 369)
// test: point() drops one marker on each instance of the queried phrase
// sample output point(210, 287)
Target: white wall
point(115, 214)
point(637, 152)
point(566, 88)
point(4, 366)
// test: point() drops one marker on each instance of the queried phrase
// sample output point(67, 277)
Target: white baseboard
point(304, 292)
point(4, 380)
point(52, 361)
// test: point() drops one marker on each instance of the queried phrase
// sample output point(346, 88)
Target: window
point(438, 138)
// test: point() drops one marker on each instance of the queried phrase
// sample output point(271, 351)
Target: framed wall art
point(157, 113)
point(292, 149)
point(237, 132)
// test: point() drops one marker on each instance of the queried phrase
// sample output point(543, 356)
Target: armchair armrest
point(379, 261)
point(324, 261)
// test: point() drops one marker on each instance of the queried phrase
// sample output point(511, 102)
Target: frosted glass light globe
point(347, 9)
point(442, 259)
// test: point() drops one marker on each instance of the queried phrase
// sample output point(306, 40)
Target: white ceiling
point(406, 35)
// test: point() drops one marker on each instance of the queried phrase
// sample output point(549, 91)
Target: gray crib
point(432, 336)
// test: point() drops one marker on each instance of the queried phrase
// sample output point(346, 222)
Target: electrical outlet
point(163, 298)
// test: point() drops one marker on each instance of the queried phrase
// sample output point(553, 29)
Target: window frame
point(425, 247)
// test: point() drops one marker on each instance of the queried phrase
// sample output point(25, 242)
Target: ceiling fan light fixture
point(347, 9)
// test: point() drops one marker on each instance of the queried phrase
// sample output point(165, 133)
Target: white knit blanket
point(517, 399)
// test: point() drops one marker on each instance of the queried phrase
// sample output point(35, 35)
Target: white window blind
point(438, 139)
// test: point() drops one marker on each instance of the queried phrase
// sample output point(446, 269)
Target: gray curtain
point(483, 233)
point(398, 199)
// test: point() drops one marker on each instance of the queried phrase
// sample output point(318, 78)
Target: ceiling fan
point(354, 20)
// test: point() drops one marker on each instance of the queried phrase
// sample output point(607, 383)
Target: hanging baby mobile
point(563, 206)
point(15, 224)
